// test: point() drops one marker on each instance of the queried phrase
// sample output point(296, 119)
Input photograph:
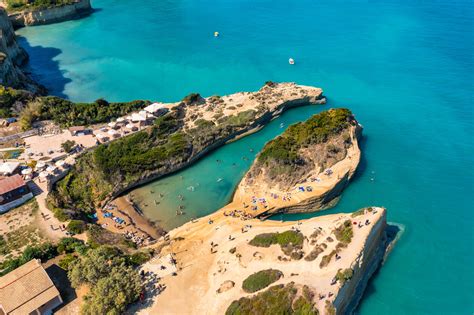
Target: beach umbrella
point(137, 117)
point(120, 119)
point(129, 126)
point(50, 168)
point(111, 132)
point(40, 165)
point(26, 171)
point(111, 124)
point(59, 163)
point(43, 174)
point(70, 160)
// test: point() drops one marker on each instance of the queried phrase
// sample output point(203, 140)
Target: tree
point(113, 293)
point(114, 284)
point(68, 145)
point(30, 114)
point(96, 264)
point(76, 226)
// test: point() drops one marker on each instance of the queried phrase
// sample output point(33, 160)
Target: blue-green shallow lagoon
point(405, 68)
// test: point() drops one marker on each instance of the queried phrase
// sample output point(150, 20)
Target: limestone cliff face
point(12, 56)
point(51, 15)
point(369, 259)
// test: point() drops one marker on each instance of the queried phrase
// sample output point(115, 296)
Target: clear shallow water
point(405, 69)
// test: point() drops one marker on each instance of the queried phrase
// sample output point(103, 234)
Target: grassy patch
point(283, 239)
point(327, 259)
point(279, 299)
point(22, 229)
point(361, 212)
point(330, 309)
point(260, 280)
point(315, 252)
point(291, 242)
point(344, 232)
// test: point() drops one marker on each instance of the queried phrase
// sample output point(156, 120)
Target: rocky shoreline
point(76, 10)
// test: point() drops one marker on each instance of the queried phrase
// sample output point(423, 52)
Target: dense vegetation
point(44, 252)
point(121, 162)
point(260, 280)
point(66, 113)
point(113, 281)
point(18, 5)
point(10, 98)
point(319, 128)
point(279, 299)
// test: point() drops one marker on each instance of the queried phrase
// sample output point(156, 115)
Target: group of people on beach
point(131, 233)
point(238, 214)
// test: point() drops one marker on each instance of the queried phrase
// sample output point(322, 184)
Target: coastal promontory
point(29, 13)
point(192, 128)
point(306, 168)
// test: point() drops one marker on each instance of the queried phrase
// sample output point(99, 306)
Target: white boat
point(291, 61)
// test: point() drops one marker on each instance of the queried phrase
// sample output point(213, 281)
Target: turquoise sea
point(405, 68)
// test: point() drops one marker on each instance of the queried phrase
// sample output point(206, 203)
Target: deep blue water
point(405, 69)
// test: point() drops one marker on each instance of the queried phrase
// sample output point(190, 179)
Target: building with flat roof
point(28, 290)
point(13, 192)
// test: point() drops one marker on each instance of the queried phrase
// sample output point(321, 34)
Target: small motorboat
point(216, 34)
point(291, 61)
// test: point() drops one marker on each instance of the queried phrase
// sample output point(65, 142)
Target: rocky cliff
point(364, 266)
point(12, 56)
point(56, 14)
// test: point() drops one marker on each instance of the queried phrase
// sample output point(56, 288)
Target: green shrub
point(344, 232)
point(44, 252)
point(329, 307)
point(70, 245)
point(139, 258)
point(76, 226)
point(66, 261)
point(260, 280)
point(283, 239)
point(327, 259)
point(68, 145)
point(191, 98)
point(278, 299)
point(344, 275)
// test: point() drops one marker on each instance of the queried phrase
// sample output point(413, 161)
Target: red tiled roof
point(11, 183)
